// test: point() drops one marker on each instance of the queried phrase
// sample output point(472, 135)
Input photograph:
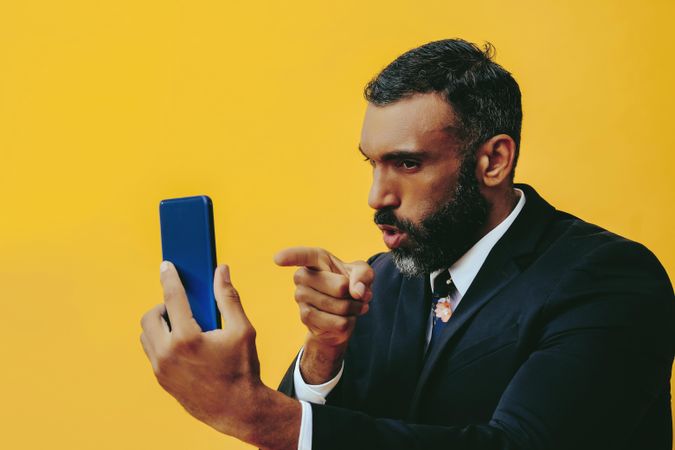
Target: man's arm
point(323, 292)
point(603, 359)
point(322, 361)
point(215, 375)
point(331, 294)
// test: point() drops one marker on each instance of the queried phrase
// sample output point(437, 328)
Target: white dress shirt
point(463, 272)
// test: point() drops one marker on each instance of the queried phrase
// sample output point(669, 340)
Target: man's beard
point(446, 234)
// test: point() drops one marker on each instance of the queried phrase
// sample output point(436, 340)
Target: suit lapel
point(498, 270)
point(484, 287)
point(405, 353)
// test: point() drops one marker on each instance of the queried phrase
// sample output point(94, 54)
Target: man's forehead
point(420, 120)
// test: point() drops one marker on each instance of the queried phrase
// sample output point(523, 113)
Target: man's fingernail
point(360, 289)
point(164, 266)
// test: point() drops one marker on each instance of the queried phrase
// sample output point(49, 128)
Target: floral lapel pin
point(443, 310)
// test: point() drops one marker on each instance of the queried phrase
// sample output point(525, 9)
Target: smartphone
point(188, 241)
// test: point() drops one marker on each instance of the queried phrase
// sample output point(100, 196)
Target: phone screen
point(188, 241)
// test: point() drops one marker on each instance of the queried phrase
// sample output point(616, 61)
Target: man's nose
point(382, 192)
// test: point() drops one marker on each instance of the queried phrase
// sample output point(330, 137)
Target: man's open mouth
point(391, 235)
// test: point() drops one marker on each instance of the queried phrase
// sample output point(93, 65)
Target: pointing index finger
point(311, 257)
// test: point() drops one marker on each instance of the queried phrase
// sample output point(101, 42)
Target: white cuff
point(305, 439)
point(313, 393)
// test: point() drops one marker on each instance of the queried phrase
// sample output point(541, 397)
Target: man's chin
point(414, 262)
point(408, 264)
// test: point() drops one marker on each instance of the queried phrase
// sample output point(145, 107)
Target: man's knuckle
point(342, 325)
point(305, 314)
point(299, 275)
point(301, 293)
point(231, 292)
point(344, 308)
point(186, 342)
point(169, 293)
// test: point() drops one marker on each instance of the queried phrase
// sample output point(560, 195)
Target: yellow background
point(106, 107)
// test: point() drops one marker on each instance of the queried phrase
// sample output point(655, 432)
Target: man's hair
point(484, 97)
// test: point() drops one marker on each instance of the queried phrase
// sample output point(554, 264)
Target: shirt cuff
point(305, 439)
point(313, 393)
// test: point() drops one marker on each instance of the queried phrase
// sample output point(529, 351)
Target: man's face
point(426, 196)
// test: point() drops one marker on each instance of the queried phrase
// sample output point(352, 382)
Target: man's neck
point(501, 206)
point(465, 269)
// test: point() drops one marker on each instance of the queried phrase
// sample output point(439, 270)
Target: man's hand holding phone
point(215, 375)
point(331, 294)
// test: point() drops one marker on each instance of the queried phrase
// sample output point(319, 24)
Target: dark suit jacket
point(564, 340)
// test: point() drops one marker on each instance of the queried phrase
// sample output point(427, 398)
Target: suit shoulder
point(591, 242)
point(379, 259)
point(602, 258)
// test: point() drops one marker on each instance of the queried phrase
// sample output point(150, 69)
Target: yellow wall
point(106, 107)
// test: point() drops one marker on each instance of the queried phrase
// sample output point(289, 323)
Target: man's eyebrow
point(397, 155)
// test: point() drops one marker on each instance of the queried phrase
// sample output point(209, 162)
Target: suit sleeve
point(287, 386)
point(603, 357)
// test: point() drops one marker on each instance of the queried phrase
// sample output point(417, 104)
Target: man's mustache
point(386, 216)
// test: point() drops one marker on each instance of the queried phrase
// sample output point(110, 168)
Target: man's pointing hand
point(330, 295)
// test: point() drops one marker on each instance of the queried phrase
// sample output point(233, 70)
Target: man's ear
point(494, 160)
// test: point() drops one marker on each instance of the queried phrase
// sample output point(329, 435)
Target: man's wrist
point(320, 362)
point(313, 393)
point(274, 421)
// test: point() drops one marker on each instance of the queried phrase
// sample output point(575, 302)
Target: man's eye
point(409, 164)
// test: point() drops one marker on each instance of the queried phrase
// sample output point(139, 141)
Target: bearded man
point(495, 321)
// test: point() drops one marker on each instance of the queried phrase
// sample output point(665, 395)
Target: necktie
point(441, 305)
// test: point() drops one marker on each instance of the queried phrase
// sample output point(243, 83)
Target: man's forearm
point(321, 363)
point(274, 423)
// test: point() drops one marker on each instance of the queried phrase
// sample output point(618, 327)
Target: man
point(495, 321)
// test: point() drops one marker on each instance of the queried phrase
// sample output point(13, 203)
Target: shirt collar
point(465, 269)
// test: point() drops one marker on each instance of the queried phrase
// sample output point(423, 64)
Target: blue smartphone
point(188, 241)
